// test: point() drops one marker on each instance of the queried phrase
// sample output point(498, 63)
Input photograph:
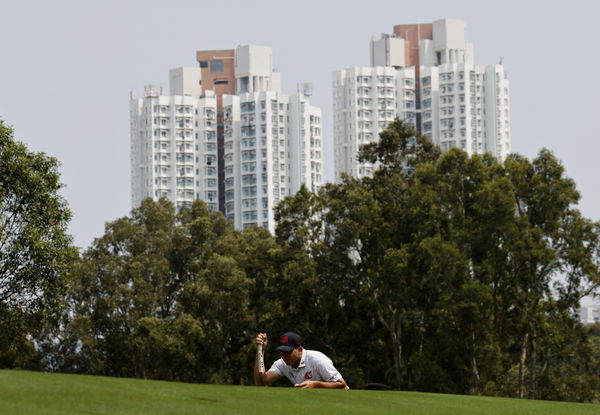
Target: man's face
point(293, 357)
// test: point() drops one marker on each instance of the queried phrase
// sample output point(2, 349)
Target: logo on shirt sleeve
point(308, 375)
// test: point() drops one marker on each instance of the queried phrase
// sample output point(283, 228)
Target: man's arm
point(263, 379)
point(324, 370)
point(310, 384)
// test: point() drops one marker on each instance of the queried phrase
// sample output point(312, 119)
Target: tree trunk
point(533, 370)
point(397, 346)
point(522, 362)
point(394, 328)
point(476, 386)
point(421, 331)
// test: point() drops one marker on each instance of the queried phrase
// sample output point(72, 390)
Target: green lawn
point(25, 393)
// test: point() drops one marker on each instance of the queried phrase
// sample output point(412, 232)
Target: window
point(250, 215)
point(248, 179)
point(210, 196)
point(249, 191)
point(203, 64)
point(221, 82)
point(216, 66)
point(247, 167)
point(249, 155)
point(249, 203)
point(248, 107)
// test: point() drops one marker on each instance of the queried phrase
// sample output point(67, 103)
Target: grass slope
point(25, 393)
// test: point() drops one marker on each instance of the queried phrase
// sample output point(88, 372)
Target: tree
point(442, 272)
point(35, 249)
point(466, 267)
point(552, 258)
point(162, 294)
point(121, 305)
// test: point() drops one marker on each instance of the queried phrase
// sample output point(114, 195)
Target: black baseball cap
point(289, 341)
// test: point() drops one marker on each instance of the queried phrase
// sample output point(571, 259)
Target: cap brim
point(285, 348)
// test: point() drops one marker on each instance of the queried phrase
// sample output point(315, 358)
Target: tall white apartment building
point(174, 143)
point(589, 315)
point(272, 143)
point(465, 105)
point(365, 101)
point(455, 102)
point(305, 144)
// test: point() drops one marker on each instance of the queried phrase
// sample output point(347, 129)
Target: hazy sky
point(66, 69)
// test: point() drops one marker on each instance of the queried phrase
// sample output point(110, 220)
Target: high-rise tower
point(174, 142)
point(449, 98)
point(272, 141)
point(226, 134)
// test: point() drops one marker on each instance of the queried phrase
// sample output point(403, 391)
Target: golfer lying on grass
point(304, 368)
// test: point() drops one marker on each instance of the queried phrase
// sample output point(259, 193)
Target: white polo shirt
point(313, 366)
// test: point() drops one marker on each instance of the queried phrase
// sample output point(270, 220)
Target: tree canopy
point(467, 272)
point(35, 249)
point(442, 272)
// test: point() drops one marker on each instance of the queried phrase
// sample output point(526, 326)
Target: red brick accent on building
point(221, 83)
point(412, 33)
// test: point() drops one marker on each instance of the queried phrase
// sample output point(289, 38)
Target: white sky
point(66, 69)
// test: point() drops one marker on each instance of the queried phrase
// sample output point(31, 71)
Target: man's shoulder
point(279, 364)
point(316, 355)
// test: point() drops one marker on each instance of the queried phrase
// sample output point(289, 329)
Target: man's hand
point(311, 384)
point(263, 379)
point(261, 338)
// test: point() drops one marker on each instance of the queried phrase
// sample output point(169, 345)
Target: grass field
point(25, 393)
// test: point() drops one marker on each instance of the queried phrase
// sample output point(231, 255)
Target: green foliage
point(35, 250)
point(160, 295)
point(462, 269)
point(440, 273)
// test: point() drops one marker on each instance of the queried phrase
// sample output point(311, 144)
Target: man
point(304, 368)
